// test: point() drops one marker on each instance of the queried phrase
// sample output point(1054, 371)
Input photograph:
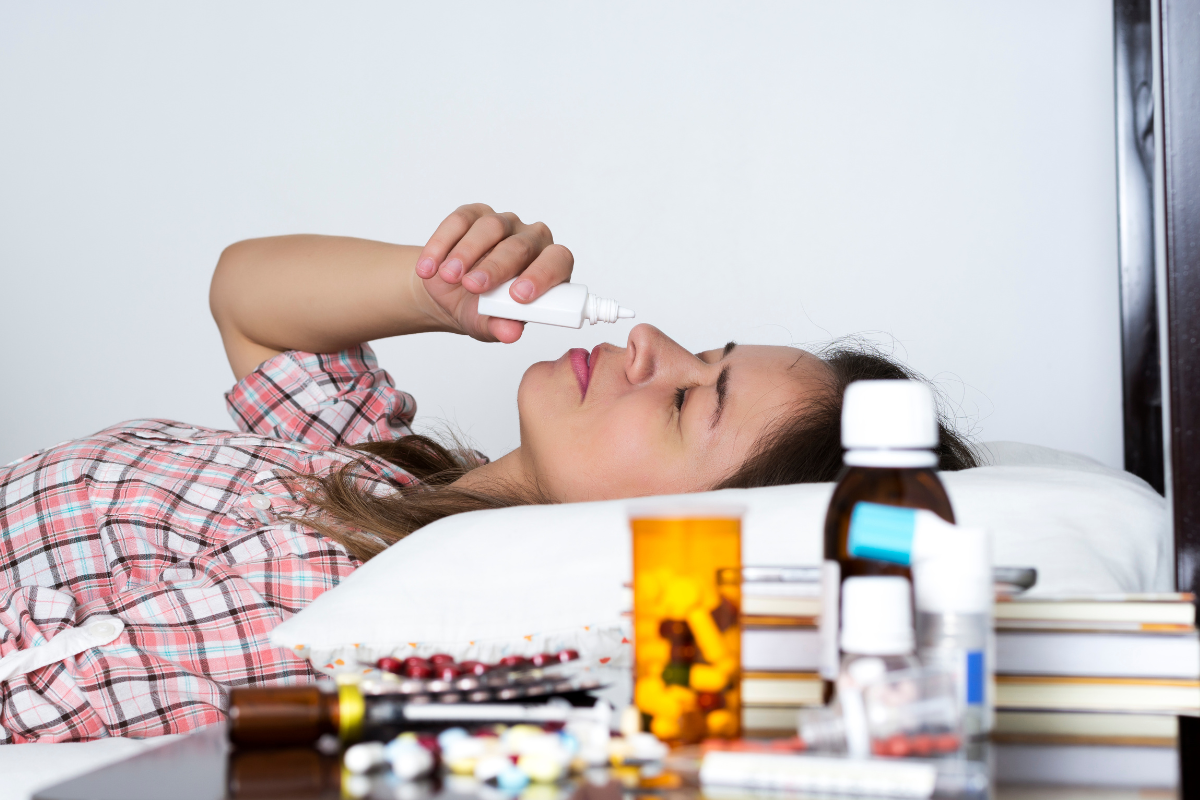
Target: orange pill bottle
point(687, 632)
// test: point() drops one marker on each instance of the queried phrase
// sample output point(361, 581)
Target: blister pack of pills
point(440, 679)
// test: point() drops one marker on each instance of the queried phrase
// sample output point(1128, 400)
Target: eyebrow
point(722, 388)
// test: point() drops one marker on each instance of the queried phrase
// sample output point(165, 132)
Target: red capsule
point(441, 659)
point(922, 744)
point(389, 664)
point(419, 671)
point(474, 667)
point(512, 661)
point(567, 655)
point(542, 659)
point(897, 746)
point(416, 660)
point(447, 672)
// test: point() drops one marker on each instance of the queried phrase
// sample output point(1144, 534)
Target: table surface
point(203, 767)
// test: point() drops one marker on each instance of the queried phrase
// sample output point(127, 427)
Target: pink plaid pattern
point(151, 521)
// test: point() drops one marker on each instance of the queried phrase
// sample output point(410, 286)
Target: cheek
point(620, 454)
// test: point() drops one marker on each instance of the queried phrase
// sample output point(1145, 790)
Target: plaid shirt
point(173, 529)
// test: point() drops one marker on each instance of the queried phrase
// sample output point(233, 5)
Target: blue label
point(974, 678)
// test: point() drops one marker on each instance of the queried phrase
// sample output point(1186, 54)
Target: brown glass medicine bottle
point(889, 432)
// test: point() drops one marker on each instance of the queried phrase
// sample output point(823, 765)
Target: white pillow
point(544, 578)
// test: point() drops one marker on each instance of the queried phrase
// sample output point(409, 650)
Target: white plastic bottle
point(566, 305)
point(952, 578)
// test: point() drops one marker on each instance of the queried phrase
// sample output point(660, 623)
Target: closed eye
point(680, 396)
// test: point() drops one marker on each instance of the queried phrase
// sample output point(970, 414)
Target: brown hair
point(805, 447)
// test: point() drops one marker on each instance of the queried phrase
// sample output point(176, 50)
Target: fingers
point(507, 259)
point(448, 234)
point(551, 267)
point(487, 232)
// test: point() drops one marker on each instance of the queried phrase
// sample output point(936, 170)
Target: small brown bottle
point(890, 432)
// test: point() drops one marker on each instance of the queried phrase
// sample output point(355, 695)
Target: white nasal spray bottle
point(566, 305)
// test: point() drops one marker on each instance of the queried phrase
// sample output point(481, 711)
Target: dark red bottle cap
point(389, 664)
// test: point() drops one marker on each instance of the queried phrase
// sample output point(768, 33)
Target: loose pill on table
point(451, 735)
point(364, 757)
point(408, 758)
point(541, 767)
point(512, 779)
point(490, 766)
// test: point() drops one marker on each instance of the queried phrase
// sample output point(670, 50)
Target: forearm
point(317, 293)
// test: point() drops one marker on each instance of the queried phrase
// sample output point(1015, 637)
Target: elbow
point(223, 289)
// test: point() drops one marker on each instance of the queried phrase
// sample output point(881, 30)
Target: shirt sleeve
point(323, 399)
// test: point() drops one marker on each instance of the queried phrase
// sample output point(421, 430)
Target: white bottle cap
point(889, 414)
point(877, 616)
point(955, 577)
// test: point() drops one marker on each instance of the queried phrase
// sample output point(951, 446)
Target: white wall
point(786, 172)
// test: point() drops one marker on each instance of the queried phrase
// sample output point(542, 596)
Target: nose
point(649, 352)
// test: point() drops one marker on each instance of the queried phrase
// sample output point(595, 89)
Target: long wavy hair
point(804, 446)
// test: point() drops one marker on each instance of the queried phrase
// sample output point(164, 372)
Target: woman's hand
point(476, 249)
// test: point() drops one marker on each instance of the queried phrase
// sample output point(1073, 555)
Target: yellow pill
point(540, 768)
point(684, 699)
point(647, 593)
point(721, 723)
point(653, 650)
point(651, 695)
point(708, 635)
point(681, 596)
point(665, 727)
point(708, 678)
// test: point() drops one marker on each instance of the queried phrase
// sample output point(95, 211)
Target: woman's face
point(653, 418)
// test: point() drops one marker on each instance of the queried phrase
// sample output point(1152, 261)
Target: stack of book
point(1134, 660)
point(1111, 671)
point(780, 649)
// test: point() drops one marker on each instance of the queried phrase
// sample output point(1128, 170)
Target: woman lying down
point(160, 555)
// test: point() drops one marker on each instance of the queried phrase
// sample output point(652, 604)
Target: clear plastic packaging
point(910, 711)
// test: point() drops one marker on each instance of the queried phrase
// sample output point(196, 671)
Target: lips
point(583, 372)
